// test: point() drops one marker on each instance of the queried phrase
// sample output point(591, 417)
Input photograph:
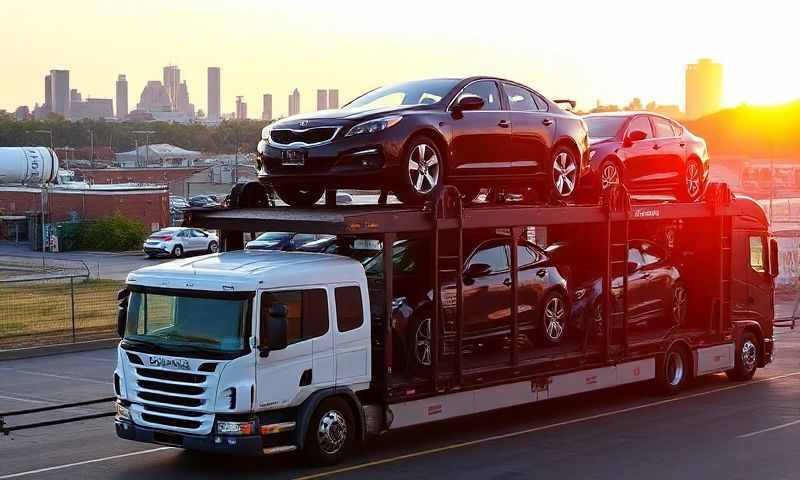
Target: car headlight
point(235, 428)
point(262, 147)
point(591, 154)
point(373, 126)
point(265, 132)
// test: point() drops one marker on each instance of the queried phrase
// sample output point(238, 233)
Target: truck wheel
point(554, 318)
point(300, 196)
point(330, 433)
point(746, 359)
point(673, 371)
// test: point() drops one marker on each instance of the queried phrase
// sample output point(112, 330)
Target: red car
point(649, 153)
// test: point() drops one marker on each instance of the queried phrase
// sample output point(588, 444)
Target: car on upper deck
point(411, 138)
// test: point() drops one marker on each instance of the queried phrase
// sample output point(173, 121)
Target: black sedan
point(648, 153)
point(411, 138)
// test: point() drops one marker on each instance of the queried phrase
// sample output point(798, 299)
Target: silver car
point(176, 241)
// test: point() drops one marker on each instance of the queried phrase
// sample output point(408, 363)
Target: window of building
point(349, 309)
point(307, 313)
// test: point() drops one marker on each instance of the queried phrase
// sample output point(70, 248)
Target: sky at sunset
point(606, 50)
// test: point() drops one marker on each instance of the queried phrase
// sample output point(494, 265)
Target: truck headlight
point(123, 412)
point(235, 428)
point(373, 126)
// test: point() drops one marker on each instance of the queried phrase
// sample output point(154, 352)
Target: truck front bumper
point(227, 444)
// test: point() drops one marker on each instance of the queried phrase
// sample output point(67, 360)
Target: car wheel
point(213, 247)
point(673, 371)
point(300, 195)
point(554, 318)
point(692, 181)
point(177, 251)
point(564, 169)
point(330, 432)
point(680, 304)
point(609, 174)
point(423, 171)
point(746, 361)
point(420, 343)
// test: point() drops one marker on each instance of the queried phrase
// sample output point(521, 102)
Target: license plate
point(294, 157)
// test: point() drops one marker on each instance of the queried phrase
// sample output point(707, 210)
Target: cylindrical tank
point(28, 165)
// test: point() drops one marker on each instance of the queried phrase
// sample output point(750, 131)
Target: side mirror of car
point(477, 270)
point(122, 311)
point(635, 136)
point(774, 269)
point(632, 267)
point(277, 329)
point(468, 102)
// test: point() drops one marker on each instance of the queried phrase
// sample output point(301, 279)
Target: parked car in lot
point(648, 153)
point(283, 241)
point(413, 137)
point(176, 241)
point(203, 201)
point(177, 203)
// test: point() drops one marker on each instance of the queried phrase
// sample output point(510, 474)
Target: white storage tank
point(28, 165)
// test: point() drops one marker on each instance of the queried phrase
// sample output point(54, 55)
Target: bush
point(114, 233)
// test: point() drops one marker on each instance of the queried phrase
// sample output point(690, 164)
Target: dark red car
point(649, 153)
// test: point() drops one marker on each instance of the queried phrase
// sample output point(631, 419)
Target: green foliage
point(114, 233)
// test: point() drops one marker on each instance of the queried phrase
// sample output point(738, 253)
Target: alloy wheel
point(565, 172)
point(422, 342)
point(213, 247)
point(675, 368)
point(693, 179)
point(332, 432)
point(423, 168)
point(749, 355)
point(609, 176)
point(554, 313)
point(680, 303)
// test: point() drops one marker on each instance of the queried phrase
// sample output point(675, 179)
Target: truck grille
point(312, 136)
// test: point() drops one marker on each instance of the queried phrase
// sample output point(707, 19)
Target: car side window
point(757, 254)
point(641, 123)
point(493, 254)
point(487, 90)
point(635, 256)
point(302, 238)
point(526, 255)
point(677, 128)
point(307, 313)
point(663, 128)
point(519, 99)
point(349, 309)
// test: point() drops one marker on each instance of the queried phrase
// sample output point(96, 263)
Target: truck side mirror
point(277, 328)
point(773, 258)
point(122, 311)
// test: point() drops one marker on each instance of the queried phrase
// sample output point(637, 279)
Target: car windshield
point(178, 323)
point(273, 237)
point(419, 92)
point(404, 258)
point(604, 127)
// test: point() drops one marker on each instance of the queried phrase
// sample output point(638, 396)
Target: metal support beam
point(516, 233)
point(388, 285)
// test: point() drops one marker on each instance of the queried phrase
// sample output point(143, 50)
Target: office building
point(75, 96)
point(241, 108)
point(294, 102)
point(48, 92)
point(172, 82)
point(703, 88)
point(214, 105)
point(92, 109)
point(333, 98)
point(154, 98)
point(266, 112)
point(122, 97)
point(322, 100)
point(59, 91)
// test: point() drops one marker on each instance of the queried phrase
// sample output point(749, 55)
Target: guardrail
point(5, 430)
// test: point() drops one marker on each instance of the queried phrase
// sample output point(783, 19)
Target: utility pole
point(146, 134)
point(91, 143)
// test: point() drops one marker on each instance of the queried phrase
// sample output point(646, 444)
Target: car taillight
point(167, 238)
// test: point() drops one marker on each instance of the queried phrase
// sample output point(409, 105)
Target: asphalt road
point(715, 429)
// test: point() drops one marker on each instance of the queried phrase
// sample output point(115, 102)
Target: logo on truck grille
point(174, 363)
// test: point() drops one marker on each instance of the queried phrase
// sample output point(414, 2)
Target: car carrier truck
point(247, 352)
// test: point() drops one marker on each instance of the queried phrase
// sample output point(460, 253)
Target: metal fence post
point(72, 304)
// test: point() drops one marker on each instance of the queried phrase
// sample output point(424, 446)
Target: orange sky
point(606, 50)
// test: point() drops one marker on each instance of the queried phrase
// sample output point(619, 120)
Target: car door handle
point(547, 122)
point(507, 282)
point(504, 123)
point(541, 273)
point(683, 144)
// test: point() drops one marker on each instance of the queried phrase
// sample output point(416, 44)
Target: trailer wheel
point(330, 433)
point(555, 313)
point(673, 371)
point(746, 359)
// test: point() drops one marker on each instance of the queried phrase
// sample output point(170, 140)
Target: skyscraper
point(213, 93)
point(172, 82)
point(703, 88)
point(266, 112)
point(59, 91)
point(322, 100)
point(333, 98)
point(122, 97)
point(241, 108)
point(48, 92)
point(294, 102)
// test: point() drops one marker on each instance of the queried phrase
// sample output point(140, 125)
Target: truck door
point(759, 301)
point(352, 336)
point(286, 376)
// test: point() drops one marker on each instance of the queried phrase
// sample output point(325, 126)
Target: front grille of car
point(311, 136)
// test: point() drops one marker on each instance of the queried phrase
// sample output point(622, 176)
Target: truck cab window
point(307, 313)
point(349, 309)
point(757, 254)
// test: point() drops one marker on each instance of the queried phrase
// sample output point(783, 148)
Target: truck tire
point(674, 369)
point(746, 363)
point(330, 432)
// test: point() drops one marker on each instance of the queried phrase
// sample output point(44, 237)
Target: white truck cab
point(242, 351)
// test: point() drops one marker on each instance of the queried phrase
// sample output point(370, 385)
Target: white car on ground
point(176, 241)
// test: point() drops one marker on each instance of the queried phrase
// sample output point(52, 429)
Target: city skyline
point(581, 66)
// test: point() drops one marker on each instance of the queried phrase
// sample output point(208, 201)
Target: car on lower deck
point(177, 241)
point(648, 153)
point(412, 138)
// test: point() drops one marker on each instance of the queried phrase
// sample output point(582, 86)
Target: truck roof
point(248, 270)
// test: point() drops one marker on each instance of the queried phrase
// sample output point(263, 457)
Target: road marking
point(539, 429)
point(770, 429)
point(18, 399)
point(86, 462)
point(60, 377)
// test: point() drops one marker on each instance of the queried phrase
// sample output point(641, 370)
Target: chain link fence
point(60, 302)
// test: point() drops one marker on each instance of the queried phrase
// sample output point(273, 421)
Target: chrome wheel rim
point(332, 432)
point(423, 168)
point(554, 313)
point(675, 369)
point(749, 355)
point(422, 342)
point(679, 305)
point(213, 247)
point(565, 171)
point(692, 179)
point(609, 176)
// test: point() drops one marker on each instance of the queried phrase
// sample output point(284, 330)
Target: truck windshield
point(182, 323)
